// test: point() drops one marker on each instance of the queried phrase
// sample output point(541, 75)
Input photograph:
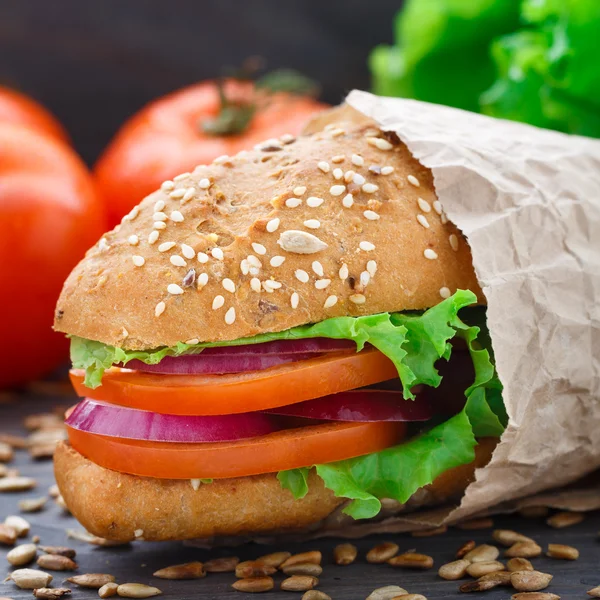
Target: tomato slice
point(205, 395)
point(279, 451)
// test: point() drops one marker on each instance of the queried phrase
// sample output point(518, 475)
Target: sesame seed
point(188, 251)
point(370, 188)
point(358, 179)
point(443, 218)
point(177, 194)
point(430, 254)
point(324, 166)
point(301, 276)
point(189, 194)
point(217, 253)
point(192, 342)
point(273, 225)
point(338, 158)
point(287, 138)
point(423, 220)
point(453, 242)
point(424, 205)
point(181, 177)
point(176, 216)
point(437, 206)
point(371, 215)
point(159, 309)
point(314, 202)
point(321, 284)
point(244, 266)
point(331, 301)
point(258, 248)
point(343, 272)
point(204, 184)
point(228, 285)
point(348, 200)
point(329, 127)
point(134, 240)
point(202, 280)
point(365, 277)
point(254, 271)
point(375, 169)
point(294, 300)
point(413, 181)
point(103, 244)
point(444, 292)
point(366, 246)
point(277, 261)
point(337, 132)
point(372, 268)
point(167, 186)
point(317, 267)
point(221, 159)
point(135, 211)
point(293, 202)
point(166, 246)
point(152, 237)
point(138, 261)
point(298, 191)
point(177, 261)
point(387, 170)
point(338, 173)
point(218, 301)
point(252, 260)
point(159, 225)
point(348, 176)
point(358, 299)
point(269, 285)
point(159, 206)
point(174, 289)
point(312, 223)
point(230, 316)
point(255, 284)
point(358, 160)
point(337, 190)
point(202, 257)
point(382, 144)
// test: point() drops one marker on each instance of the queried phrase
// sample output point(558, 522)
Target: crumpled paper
point(528, 201)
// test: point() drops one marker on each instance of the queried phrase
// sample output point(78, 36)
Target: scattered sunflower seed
point(523, 550)
point(388, 592)
point(56, 562)
point(303, 569)
point(60, 550)
point(507, 537)
point(30, 579)
point(254, 584)
point(16, 483)
point(191, 570)
point(562, 552)
point(6, 452)
point(137, 590)
point(519, 564)
point(42, 451)
point(479, 569)
point(60, 501)
point(428, 533)
point(108, 590)
point(487, 582)
point(594, 592)
point(8, 535)
point(53, 491)
point(275, 559)
point(42, 421)
point(22, 555)
point(410, 597)
point(315, 595)
point(465, 549)
point(411, 560)
point(382, 552)
point(299, 583)
point(91, 580)
point(31, 505)
point(226, 564)
point(482, 553)
point(344, 554)
point(454, 570)
point(84, 536)
point(16, 442)
point(253, 568)
point(19, 524)
point(51, 593)
point(564, 519)
point(3, 470)
point(535, 596)
point(484, 523)
point(312, 556)
point(530, 581)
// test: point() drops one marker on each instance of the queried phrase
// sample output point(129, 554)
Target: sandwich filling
point(370, 402)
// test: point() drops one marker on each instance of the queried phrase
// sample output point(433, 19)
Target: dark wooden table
point(137, 562)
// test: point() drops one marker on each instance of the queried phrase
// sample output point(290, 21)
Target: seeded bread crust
point(272, 238)
point(116, 505)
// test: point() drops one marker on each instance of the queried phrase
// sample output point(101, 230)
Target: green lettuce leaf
point(295, 480)
point(413, 357)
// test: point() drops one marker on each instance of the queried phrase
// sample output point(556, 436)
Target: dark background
point(96, 62)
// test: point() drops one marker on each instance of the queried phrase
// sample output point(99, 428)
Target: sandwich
point(276, 339)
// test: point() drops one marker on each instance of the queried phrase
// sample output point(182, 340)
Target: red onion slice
point(360, 405)
point(278, 347)
point(117, 421)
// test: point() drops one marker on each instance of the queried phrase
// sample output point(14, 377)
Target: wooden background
point(95, 62)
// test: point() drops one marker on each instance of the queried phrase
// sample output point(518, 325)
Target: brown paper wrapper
point(528, 201)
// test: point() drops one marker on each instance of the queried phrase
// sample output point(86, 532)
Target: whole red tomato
point(177, 132)
point(19, 109)
point(49, 216)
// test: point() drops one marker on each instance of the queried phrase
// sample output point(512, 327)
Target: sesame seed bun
point(342, 221)
point(116, 505)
